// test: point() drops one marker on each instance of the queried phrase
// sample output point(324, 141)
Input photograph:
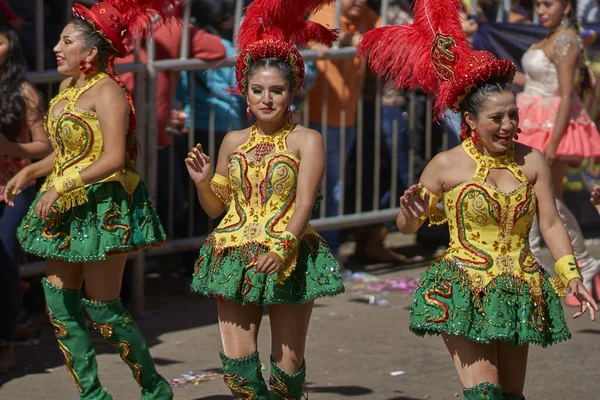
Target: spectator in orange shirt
point(167, 40)
point(344, 79)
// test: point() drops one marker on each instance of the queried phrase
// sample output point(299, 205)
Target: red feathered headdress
point(432, 53)
point(272, 28)
point(122, 21)
point(126, 21)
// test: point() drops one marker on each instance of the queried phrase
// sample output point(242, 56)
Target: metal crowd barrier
point(145, 97)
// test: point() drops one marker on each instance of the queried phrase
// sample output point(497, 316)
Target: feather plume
point(283, 20)
point(139, 14)
point(407, 53)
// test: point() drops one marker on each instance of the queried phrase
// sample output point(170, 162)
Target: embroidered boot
point(116, 325)
point(244, 378)
point(63, 307)
point(286, 386)
point(483, 391)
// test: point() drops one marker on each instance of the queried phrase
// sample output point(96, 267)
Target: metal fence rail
point(146, 102)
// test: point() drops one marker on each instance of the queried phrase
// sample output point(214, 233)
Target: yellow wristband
point(66, 183)
point(567, 268)
point(284, 245)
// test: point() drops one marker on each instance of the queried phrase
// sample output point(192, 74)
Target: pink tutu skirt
point(581, 138)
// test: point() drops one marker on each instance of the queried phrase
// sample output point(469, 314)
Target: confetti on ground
point(407, 285)
point(372, 283)
point(396, 373)
point(194, 378)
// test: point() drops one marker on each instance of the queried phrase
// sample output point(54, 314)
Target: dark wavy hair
point(12, 77)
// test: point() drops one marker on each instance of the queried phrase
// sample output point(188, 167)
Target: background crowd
point(197, 101)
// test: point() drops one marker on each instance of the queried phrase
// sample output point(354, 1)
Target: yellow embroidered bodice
point(76, 138)
point(489, 228)
point(260, 191)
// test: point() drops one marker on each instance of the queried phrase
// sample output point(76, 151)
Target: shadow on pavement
point(343, 390)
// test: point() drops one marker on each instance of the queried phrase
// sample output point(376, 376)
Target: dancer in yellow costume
point(486, 295)
point(264, 252)
point(93, 208)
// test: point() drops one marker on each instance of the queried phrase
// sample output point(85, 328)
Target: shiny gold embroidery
point(221, 188)
point(505, 263)
point(115, 212)
point(445, 292)
point(50, 234)
point(253, 230)
point(263, 191)
point(281, 389)
point(442, 57)
point(60, 330)
point(107, 332)
point(237, 384)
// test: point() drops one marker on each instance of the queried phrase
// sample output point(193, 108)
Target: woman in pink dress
point(553, 117)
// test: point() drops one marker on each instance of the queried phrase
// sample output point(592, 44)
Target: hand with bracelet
point(62, 184)
point(270, 263)
point(568, 272)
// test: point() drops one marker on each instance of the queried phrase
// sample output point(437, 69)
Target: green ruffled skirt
point(505, 310)
point(111, 222)
point(223, 274)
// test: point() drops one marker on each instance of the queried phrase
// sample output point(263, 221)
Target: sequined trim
point(509, 288)
point(221, 188)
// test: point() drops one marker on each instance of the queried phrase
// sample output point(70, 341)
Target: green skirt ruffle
point(505, 310)
point(223, 274)
point(111, 222)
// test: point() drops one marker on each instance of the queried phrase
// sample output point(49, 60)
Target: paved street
point(353, 349)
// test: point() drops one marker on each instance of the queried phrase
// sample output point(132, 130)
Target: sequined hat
point(273, 28)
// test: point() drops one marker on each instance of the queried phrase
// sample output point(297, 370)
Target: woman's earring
point(475, 136)
point(249, 113)
point(87, 67)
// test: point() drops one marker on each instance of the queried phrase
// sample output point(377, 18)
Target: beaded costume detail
point(94, 220)
point(487, 284)
point(76, 139)
point(261, 190)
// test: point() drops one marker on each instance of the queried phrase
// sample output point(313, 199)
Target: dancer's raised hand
point(198, 165)
point(412, 205)
point(585, 299)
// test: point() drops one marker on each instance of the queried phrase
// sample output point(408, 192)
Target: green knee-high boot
point(116, 325)
point(244, 378)
point(286, 386)
point(63, 307)
point(483, 391)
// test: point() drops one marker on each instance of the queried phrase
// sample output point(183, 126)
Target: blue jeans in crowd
point(388, 115)
point(10, 259)
point(333, 174)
